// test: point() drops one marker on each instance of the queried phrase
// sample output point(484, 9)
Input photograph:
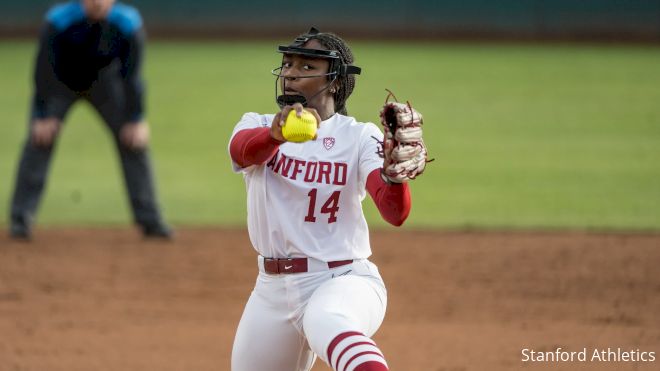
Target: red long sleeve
point(253, 146)
point(392, 200)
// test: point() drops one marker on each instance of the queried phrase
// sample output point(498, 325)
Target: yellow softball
point(299, 129)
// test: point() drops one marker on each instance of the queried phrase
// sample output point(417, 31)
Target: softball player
point(317, 294)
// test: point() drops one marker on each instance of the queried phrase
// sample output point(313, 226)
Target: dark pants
point(108, 98)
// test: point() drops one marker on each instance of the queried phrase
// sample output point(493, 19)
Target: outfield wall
point(531, 19)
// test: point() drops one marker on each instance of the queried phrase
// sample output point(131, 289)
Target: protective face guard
point(337, 69)
point(287, 100)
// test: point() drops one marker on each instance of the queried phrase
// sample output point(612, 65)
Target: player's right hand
point(278, 120)
point(44, 131)
point(135, 135)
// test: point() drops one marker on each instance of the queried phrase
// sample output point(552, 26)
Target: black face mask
point(337, 68)
point(289, 99)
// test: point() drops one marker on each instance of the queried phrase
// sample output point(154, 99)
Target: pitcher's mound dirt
point(106, 300)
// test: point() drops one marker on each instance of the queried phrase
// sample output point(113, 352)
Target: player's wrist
point(275, 140)
point(387, 179)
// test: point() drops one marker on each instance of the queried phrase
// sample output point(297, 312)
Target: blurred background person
point(91, 50)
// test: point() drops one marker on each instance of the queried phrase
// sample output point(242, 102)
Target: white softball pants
point(290, 319)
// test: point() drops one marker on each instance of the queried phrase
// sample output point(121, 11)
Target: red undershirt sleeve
point(253, 146)
point(392, 200)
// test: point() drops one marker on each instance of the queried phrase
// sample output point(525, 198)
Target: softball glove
point(403, 151)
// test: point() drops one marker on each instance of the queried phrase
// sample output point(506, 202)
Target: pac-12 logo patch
point(328, 142)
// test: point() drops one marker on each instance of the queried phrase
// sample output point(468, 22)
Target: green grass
point(552, 136)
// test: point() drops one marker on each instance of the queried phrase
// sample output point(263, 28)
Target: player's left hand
point(135, 135)
point(404, 152)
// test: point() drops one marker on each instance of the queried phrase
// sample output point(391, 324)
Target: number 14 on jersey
point(331, 206)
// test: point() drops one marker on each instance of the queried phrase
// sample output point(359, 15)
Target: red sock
point(352, 351)
point(371, 366)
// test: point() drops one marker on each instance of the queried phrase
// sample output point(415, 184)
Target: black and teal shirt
point(73, 49)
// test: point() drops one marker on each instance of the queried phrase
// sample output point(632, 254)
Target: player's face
point(296, 67)
point(97, 9)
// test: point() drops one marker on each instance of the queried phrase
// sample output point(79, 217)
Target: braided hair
point(346, 83)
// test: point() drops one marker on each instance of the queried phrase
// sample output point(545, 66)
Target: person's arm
point(45, 124)
point(135, 132)
point(253, 146)
point(392, 199)
point(131, 72)
point(45, 80)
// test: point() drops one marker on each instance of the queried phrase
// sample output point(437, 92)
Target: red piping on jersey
point(392, 200)
point(253, 147)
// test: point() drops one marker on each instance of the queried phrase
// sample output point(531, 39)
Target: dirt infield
point(105, 300)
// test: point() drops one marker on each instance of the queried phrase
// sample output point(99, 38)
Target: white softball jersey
point(306, 201)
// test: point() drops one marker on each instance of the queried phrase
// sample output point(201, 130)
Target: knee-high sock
point(352, 351)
